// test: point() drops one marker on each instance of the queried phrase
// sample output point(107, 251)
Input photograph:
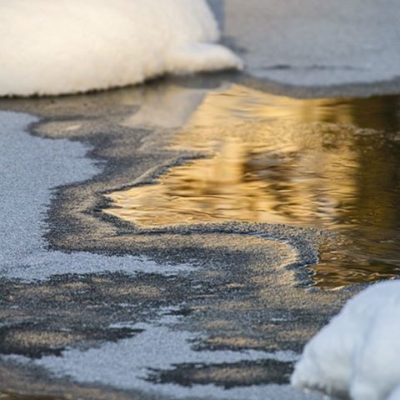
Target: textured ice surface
point(127, 363)
point(316, 43)
point(33, 167)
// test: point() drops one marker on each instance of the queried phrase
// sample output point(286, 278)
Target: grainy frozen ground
point(314, 43)
point(82, 296)
point(158, 325)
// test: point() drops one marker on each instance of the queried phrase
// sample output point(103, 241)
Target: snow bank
point(66, 46)
point(395, 394)
point(358, 352)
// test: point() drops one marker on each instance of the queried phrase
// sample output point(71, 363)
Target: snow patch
point(357, 353)
point(67, 46)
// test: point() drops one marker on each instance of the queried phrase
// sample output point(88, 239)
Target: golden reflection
point(259, 168)
point(265, 158)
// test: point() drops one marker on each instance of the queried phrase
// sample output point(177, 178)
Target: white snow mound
point(66, 46)
point(357, 354)
point(395, 394)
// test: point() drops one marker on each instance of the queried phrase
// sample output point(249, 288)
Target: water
point(330, 163)
point(11, 396)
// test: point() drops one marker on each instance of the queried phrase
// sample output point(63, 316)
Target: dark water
point(10, 396)
point(330, 163)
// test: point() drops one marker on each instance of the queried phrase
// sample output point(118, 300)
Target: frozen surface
point(98, 44)
point(315, 43)
point(395, 395)
point(160, 347)
point(357, 352)
point(33, 167)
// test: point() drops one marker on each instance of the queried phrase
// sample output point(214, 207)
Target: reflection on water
point(332, 163)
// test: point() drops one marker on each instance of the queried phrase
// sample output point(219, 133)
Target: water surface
point(329, 163)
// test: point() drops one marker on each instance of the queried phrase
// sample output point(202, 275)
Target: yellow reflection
point(268, 159)
point(273, 159)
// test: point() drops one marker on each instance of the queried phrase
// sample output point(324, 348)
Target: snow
point(66, 46)
point(357, 353)
point(395, 394)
